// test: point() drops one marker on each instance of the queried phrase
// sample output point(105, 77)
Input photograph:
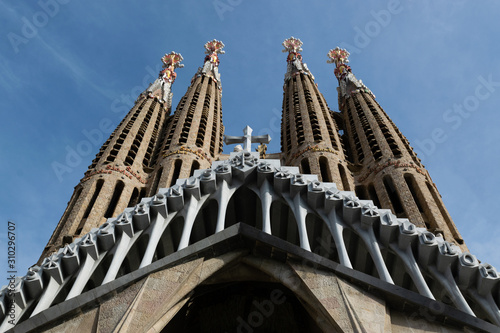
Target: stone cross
point(247, 139)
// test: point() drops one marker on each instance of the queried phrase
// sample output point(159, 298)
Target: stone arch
point(283, 223)
point(244, 206)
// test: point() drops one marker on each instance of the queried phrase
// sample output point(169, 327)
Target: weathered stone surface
point(112, 311)
point(415, 323)
point(158, 294)
point(84, 323)
point(325, 287)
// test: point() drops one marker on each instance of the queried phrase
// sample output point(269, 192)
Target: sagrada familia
point(342, 231)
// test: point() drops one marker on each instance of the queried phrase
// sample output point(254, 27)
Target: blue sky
point(67, 67)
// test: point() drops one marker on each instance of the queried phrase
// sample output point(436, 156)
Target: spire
point(119, 174)
point(347, 81)
point(387, 170)
point(309, 132)
point(295, 65)
point(161, 87)
point(193, 135)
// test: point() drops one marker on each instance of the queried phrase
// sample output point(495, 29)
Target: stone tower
point(386, 169)
point(119, 174)
point(309, 133)
point(193, 135)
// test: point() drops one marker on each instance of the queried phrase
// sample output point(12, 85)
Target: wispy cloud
point(77, 67)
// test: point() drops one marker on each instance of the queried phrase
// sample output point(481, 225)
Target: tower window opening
point(134, 198)
point(304, 166)
point(343, 176)
point(97, 190)
point(194, 166)
point(418, 199)
point(114, 199)
point(394, 197)
point(373, 195)
point(355, 138)
point(154, 188)
point(361, 192)
point(325, 169)
point(177, 172)
point(213, 139)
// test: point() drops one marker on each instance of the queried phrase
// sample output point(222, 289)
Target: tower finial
point(212, 48)
point(210, 68)
point(161, 87)
point(339, 57)
point(171, 61)
point(292, 44)
point(348, 83)
point(295, 65)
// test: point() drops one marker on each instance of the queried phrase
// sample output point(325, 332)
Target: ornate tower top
point(339, 57)
point(292, 44)
point(161, 87)
point(210, 67)
point(295, 65)
point(171, 61)
point(347, 81)
point(214, 46)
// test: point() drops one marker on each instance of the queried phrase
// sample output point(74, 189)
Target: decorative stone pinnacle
point(338, 55)
point(212, 50)
point(214, 46)
point(171, 61)
point(347, 81)
point(292, 44)
point(295, 65)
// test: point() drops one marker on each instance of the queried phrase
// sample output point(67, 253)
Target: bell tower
point(309, 133)
point(119, 174)
point(193, 135)
point(387, 170)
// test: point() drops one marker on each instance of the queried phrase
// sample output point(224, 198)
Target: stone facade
point(165, 232)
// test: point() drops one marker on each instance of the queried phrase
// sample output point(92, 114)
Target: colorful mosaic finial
point(347, 81)
point(339, 57)
point(292, 44)
point(171, 61)
point(213, 48)
point(295, 65)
